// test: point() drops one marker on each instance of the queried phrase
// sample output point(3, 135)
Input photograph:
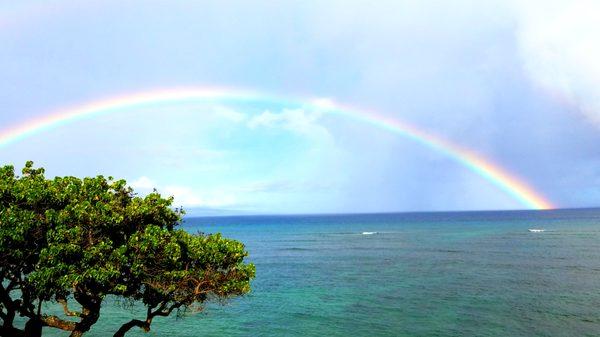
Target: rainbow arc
point(484, 167)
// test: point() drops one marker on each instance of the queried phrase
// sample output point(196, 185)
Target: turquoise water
point(428, 274)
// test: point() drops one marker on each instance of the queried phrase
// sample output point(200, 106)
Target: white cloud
point(187, 197)
point(306, 123)
point(560, 46)
point(143, 183)
point(297, 120)
point(324, 103)
point(184, 196)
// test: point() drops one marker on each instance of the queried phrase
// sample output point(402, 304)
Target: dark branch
point(162, 310)
point(133, 323)
point(168, 311)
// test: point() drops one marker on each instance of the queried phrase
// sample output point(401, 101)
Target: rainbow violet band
point(492, 172)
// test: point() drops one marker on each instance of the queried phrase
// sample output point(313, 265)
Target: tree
point(77, 240)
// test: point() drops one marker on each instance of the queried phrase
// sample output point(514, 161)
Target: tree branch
point(145, 325)
point(65, 306)
point(127, 326)
point(151, 313)
point(168, 311)
point(11, 286)
point(55, 322)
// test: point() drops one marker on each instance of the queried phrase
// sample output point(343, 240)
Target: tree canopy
point(76, 241)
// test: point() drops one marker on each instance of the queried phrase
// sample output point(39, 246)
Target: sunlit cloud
point(184, 196)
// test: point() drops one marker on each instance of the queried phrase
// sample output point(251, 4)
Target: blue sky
point(518, 83)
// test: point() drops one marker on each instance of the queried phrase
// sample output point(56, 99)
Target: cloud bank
point(560, 45)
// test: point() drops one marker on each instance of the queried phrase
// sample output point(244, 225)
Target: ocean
point(410, 274)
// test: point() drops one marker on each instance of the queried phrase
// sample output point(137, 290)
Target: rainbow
point(476, 163)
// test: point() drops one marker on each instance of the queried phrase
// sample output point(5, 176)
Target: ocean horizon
point(222, 213)
point(478, 273)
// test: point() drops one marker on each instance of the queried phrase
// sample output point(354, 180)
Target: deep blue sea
point(418, 274)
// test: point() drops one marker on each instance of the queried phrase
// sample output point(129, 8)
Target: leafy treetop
point(69, 239)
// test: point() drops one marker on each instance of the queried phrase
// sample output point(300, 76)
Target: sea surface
point(416, 274)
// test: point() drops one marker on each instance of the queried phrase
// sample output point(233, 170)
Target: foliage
point(71, 239)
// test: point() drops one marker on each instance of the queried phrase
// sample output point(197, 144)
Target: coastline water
point(411, 274)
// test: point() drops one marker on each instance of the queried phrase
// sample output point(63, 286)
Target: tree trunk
point(7, 323)
point(86, 323)
point(33, 327)
point(11, 332)
point(90, 315)
point(8, 317)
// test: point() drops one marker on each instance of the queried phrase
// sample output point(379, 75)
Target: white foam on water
point(368, 233)
point(536, 230)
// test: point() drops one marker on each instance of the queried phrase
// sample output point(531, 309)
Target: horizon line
point(387, 212)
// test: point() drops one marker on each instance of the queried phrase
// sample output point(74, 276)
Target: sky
point(516, 82)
